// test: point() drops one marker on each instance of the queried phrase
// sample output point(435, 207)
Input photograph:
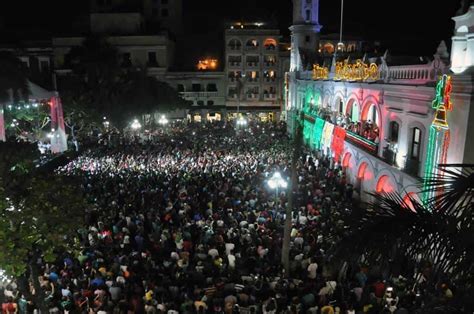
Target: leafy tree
point(102, 84)
point(13, 81)
point(13, 77)
point(39, 212)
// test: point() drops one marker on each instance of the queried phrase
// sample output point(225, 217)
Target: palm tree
point(13, 84)
point(439, 232)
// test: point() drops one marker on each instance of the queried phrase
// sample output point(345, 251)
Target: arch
point(383, 185)
point(371, 103)
point(252, 42)
point(270, 43)
point(338, 98)
point(385, 182)
point(365, 170)
point(407, 200)
point(361, 171)
point(463, 29)
point(353, 109)
point(346, 160)
point(234, 43)
point(326, 101)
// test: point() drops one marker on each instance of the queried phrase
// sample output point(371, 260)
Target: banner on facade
point(337, 145)
point(318, 132)
point(327, 136)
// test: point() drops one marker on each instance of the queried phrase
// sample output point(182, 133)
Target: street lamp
point(163, 121)
point(136, 125)
point(242, 122)
point(276, 182)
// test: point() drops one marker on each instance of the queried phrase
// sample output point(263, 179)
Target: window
point(44, 66)
point(152, 58)
point(341, 105)
point(394, 126)
point(100, 2)
point(164, 12)
point(307, 38)
point(232, 92)
point(127, 59)
point(415, 144)
point(180, 88)
point(164, 1)
point(308, 15)
point(196, 87)
point(308, 1)
point(211, 87)
point(210, 102)
point(154, 12)
point(200, 102)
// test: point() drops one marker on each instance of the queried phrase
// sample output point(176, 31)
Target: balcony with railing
point(235, 64)
point(253, 96)
point(269, 79)
point(253, 64)
point(269, 96)
point(362, 143)
point(202, 94)
point(269, 64)
point(251, 79)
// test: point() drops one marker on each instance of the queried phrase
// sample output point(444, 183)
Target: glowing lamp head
point(163, 120)
point(136, 125)
point(276, 181)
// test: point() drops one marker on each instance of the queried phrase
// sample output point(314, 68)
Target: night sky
point(404, 26)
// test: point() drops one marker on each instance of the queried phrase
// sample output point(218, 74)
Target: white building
point(255, 65)
point(125, 32)
point(377, 124)
point(206, 91)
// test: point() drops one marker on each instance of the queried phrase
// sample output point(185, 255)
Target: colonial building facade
point(382, 123)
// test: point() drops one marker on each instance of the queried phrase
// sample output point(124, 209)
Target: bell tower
point(304, 31)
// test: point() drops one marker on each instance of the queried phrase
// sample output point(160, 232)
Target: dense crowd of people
point(184, 222)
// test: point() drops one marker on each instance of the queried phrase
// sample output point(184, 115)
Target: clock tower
point(304, 31)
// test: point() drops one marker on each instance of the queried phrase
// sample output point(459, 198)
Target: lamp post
point(136, 125)
point(242, 122)
point(276, 182)
point(163, 121)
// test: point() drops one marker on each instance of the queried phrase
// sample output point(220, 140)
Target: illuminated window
point(252, 43)
point(328, 48)
point(270, 44)
point(207, 64)
point(415, 144)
